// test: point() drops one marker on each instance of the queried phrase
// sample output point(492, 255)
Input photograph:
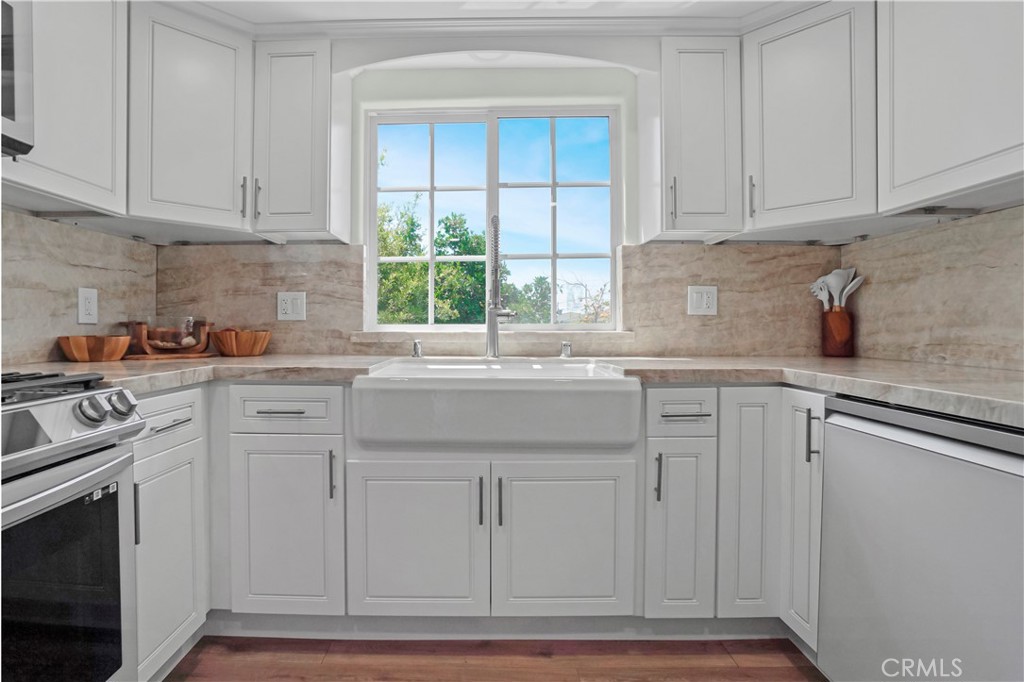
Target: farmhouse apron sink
point(497, 403)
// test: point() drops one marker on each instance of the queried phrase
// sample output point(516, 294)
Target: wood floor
point(226, 659)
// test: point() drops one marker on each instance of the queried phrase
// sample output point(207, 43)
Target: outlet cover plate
point(88, 306)
point(701, 300)
point(291, 305)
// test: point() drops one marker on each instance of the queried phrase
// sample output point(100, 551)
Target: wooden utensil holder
point(837, 333)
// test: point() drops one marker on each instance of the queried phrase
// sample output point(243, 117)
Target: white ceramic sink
point(495, 404)
point(476, 368)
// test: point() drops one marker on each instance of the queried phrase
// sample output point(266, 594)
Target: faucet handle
point(507, 314)
point(566, 349)
point(417, 348)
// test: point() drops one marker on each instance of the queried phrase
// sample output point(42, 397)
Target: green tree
point(459, 288)
point(401, 287)
point(532, 303)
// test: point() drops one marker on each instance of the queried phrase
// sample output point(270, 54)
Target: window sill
point(513, 342)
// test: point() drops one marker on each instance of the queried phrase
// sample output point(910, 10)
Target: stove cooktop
point(22, 387)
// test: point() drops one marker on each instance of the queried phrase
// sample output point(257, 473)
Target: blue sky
point(524, 155)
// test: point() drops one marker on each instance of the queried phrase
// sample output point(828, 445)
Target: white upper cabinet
point(190, 141)
point(809, 117)
point(703, 177)
point(950, 100)
point(292, 137)
point(80, 76)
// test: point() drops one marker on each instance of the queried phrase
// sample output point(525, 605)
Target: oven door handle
point(105, 465)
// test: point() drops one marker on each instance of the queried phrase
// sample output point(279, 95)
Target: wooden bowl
point(93, 348)
point(235, 343)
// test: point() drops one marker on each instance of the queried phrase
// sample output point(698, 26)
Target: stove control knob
point(123, 404)
point(92, 410)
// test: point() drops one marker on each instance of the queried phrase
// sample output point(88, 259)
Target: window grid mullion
point(430, 232)
point(554, 222)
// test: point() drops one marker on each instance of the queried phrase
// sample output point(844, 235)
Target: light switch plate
point(701, 300)
point(88, 306)
point(291, 305)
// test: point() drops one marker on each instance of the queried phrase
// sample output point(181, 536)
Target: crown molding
point(509, 27)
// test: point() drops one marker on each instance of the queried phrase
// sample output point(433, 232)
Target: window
point(436, 178)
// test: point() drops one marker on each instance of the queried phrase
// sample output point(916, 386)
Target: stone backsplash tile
point(951, 293)
point(45, 262)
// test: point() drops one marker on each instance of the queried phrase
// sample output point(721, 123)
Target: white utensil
point(836, 281)
point(820, 292)
point(850, 288)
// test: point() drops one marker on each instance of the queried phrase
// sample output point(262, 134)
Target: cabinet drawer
point(682, 412)
point(286, 409)
point(171, 419)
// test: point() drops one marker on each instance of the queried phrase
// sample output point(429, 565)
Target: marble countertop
point(977, 393)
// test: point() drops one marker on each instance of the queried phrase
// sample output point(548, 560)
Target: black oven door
point(66, 576)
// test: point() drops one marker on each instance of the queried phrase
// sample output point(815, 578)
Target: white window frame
point(490, 116)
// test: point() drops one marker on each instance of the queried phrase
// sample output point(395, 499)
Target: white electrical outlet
point(291, 305)
point(88, 306)
point(701, 300)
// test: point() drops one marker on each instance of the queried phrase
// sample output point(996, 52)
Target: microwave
point(17, 98)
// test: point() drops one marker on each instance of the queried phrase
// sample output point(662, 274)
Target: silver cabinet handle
point(330, 472)
point(657, 486)
point(173, 425)
point(280, 412)
point(481, 492)
point(675, 208)
point(808, 451)
point(750, 180)
point(501, 518)
point(686, 415)
point(138, 531)
point(256, 197)
point(245, 193)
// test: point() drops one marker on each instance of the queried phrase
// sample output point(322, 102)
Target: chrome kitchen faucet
point(494, 309)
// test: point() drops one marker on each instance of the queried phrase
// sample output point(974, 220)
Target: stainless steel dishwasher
point(922, 549)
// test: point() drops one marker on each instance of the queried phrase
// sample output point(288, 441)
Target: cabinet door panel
point(291, 131)
point(171, 557)
point(564, 542)
point(810, 123)
point(80, 77)
point(748, 501)
point(191, 110)
point(703, 161)
point(930, 143)
point(801, 510)
point(287, 541)
point(419, 538)
point(680, 547)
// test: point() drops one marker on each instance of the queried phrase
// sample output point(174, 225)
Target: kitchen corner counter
point(977, 393)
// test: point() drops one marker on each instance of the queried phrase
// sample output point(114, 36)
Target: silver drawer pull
point(686, 415)
point(174, 424)
point(279, 412)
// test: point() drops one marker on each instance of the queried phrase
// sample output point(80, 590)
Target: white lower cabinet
point(287, 524)
point(749, 449)
point(419, 538)
point(170, 553)
point(564, 538)
point(680, 548)
point(476, 538)
point(803, 415)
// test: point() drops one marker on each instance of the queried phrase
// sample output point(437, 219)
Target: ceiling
point(304, 11)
